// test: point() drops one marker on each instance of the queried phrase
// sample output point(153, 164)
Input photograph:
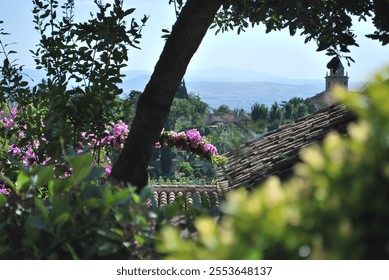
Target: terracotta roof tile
point(276, 152)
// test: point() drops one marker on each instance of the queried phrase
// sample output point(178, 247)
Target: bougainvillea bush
point(18, 147)
point(104, 147)
point(192, 142)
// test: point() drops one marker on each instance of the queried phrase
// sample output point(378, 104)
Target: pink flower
point(120, 128)
point(8, 123)
point(46, 160)
point(25, 161)
point(36, 144)
point(107, 139)
point(14, 112)
point(181, 135)
point(209, 149)
point(3, 190)
point(108, 170)
point(30, 153)
point(173, 136)
point(193, 135)
point(157, 145)
point(15, 150)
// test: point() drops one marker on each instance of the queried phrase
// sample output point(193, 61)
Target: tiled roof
point(276, 152)
point(206, 196)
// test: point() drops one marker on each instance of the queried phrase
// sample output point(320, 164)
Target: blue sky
point(274, 53)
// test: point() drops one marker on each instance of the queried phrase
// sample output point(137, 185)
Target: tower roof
point(335, 65)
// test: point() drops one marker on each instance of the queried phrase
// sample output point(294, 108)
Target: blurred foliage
point(79, 218)
point(334, 207)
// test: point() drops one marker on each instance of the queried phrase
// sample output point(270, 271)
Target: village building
point(336, 77)
point(214, 120)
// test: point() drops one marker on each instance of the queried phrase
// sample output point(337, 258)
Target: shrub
point(185, 168)
point(334, 207)
point(78, 218)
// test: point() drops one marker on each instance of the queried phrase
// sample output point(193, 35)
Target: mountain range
point(232, 87)
point(238, 88)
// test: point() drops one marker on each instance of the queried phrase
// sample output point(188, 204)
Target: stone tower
point(336, 76)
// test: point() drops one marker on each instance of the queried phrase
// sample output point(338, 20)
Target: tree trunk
point(154, 104)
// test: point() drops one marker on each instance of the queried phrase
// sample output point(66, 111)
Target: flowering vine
point(192, 142)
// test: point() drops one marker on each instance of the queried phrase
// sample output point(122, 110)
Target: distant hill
point(245, 94)
point(239, 88)
point(235, 88)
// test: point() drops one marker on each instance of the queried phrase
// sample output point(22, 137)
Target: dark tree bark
point(154, 104)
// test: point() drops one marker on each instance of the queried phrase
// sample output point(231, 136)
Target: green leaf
point(107, 248)
point(59, 186)
point(140, 239)
point(72, 251)
point(23, 181)
point(43, 176)
point(61, 219)
point(145, 194)
point(95, 173)
point(129, 11)
point(111, 199)
point(109, 234)
point(42, 209)
point(36, 222)
point(61, 206)
point(292, 28)
point(323, 45)
point(93, 203)
point(3, 199)
point(81, 166)
point(8, 181)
